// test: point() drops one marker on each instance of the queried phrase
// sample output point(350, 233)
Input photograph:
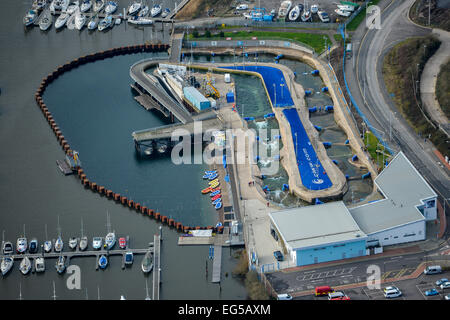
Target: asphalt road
point(379, 107)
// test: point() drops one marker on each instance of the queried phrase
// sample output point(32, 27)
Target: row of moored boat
point(74, 14)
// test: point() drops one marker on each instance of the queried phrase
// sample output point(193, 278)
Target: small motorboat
point(73, 242)
point(165, 13)
point(161, 147)
point(74, 6)
point(106, 23)
point(59, 244)
point(144, 11)
point(122, 243)
point(38, 4)
point(218, 205)
point(46, 20)
point(33, 246)
point(342, 13)
point(92, 25)
point(212, 194)
point(110, 240)
point(7, 248)
point(111, 7)
point(22, 245)
point(306, 15)
point(148, 151)
point(83, 243)
point(80, 21)
point(97, 243)
point(147, 262)
point(129, 258)
point(314, 8)
point(99, 5)
point(85, 5)
point(62, 20)
point(6, 265)
point(118, 21)
point(58, 5)
point(217, 196)
point(60, 265)
point(30, 18)
point(25, 265)
point(156, 10)
point(39, 264)
point(134, 8)
point(48, 246)
point(71, 22)
point(103, 262)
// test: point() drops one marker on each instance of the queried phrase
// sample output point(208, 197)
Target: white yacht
point(134, 8)
point(62, 20)
point(144, 11)
point(71, 21)
point(6, 265)
point(110, 240)
point(314, 8)
point(294, 14)
point(83, 243)
point(86, 5)
point(323, 16)
point(105, 23)
point(80, 21)
point(60, 264)
point(284, 9)
point(73, 7)
point(59, 244)
point(25, 265)
point(99, 5)
point(48, 246)
point(97, 243)
point(46, 20)
point(58, 5)
point(73, 242)
point(39, 264)
point(30, 17)
point(147, 262)
point(92, 25)
point(165, 13)
point(39, 4)
point(22, 245)
point(306, 15)
point(155, 10)
point(111, 7)
point(7, 247)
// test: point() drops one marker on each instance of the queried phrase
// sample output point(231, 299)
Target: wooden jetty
point(156, 266)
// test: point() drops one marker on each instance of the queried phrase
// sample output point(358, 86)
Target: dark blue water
point(94, 106)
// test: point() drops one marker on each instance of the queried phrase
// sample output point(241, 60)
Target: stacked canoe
point(213, 188)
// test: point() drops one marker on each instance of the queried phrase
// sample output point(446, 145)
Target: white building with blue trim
point(331, 231)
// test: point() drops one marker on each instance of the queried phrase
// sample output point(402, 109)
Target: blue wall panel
point(331, 252)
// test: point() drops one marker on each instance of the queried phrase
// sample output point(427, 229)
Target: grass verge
point(443, 88)
point(353, 25)
point(402, 67)
point(315, 41)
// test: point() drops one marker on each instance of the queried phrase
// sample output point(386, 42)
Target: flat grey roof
point(403, 187)
point(316, 225)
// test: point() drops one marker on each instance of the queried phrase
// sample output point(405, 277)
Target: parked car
point(447, 297)
point(278, 255)
point(431, 292)
point(284, 296)
point(445, 285)
point(441, 281)
point(341, 298)
point(391, 288)
point(393, 293)
point(337, 295)
point(432, 270)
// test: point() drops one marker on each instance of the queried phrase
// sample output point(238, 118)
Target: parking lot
point(413, 289)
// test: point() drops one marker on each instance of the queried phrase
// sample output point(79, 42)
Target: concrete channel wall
point(102, 190)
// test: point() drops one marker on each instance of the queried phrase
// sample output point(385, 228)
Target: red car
point(122, 243)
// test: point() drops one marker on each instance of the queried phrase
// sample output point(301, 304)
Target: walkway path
point(429, 78)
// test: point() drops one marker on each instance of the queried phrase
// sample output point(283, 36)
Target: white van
point(432, 270)
point(284, 296)
point(392, 293)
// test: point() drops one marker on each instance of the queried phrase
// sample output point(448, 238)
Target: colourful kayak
point(215, 189)
point(211, 172)
point(206, 190)
point(214, 185)
point(213, 176)
point(213, 181)
point(216, 197)
point(212, 194)
point(218, 205)
point(216, 201)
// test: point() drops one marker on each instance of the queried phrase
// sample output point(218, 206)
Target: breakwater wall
point(85, 181)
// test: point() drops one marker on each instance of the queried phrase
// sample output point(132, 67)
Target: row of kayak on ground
point(213, 188)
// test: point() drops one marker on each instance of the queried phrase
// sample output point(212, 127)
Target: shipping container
point(196, 99)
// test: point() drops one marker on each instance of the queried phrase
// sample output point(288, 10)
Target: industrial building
point(331, 231)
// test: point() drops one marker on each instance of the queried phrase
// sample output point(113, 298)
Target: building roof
point(404, 188)
point(317, 225)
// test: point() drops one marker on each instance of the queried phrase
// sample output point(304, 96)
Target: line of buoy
point(102, 190)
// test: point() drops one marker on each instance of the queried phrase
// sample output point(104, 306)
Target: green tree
point(195, 34)
point(208, 34)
